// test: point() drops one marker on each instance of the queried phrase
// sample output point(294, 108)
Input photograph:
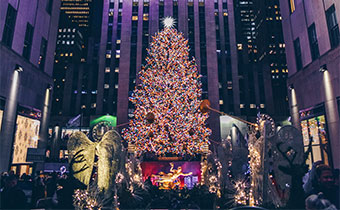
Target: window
point(314, 128)
point(297, 50)
point(49, 6)
point(26, 53)
point(291, 6)
point(42, 57)
point(7, 36)
point(313, 42)
point(333, 27)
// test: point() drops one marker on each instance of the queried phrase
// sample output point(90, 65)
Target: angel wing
point(82, 154)
point(108, 152)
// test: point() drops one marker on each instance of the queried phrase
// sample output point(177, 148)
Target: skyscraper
point(28, 35)
point(312, 37)
point(271, 58)
point(262, 66)
point(75, 65)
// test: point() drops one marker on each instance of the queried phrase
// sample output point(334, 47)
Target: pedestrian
point(318, 202)
point(325, 185)
point(12, 197)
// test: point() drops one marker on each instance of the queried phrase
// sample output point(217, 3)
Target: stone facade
point(314, 83)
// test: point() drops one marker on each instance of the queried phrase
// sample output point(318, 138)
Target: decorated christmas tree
point(167, 119)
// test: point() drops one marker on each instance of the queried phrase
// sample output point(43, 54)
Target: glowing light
point(170, 90)
point(168, 22)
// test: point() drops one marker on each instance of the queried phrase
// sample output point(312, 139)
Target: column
point(8, 121)
point(332, 116)
point(43, 137)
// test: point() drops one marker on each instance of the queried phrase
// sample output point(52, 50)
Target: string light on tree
point(167, 116)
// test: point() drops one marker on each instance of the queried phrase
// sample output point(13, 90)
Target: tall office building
point(75, 67)
point(262, 69)
point(271, 58)
point(28, 36)
point(312, 37)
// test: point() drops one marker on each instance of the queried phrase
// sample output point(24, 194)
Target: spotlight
point(18, 68)
point(291, 87)
point(323, 68)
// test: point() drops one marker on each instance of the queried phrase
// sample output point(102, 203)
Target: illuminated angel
point(82, 158)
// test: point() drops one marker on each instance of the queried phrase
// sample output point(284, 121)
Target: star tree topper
point(168, 22)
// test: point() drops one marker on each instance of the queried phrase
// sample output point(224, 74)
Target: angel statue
point(103, 154)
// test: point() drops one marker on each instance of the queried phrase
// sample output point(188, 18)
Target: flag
point(74, 122)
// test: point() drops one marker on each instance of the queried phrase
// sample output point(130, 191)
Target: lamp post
point(8, 121)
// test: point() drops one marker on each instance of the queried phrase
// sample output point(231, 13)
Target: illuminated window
point(252, 106)
point(291, 5)
point(118, 41)
point(239, 46)
point(145, 17)
point(135, 17)
point(106, 86)
point(262, 106)
point(241, 106)
point(107, 70)
point(117, 70)
point(221, 102)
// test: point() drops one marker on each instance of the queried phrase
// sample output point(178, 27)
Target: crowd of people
point(44, 190)
point(55, 190)
point(322, 187)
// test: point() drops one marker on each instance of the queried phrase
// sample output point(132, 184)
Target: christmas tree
point(167, 119)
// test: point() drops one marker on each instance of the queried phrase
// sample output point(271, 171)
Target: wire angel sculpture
point(82, 158)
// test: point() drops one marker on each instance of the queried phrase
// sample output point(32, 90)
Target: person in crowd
point(336, 177)
point(310, 178)
point(38, 189)
point(325, 185)
point(51, 185)
point(318, 202)
point(12, 197)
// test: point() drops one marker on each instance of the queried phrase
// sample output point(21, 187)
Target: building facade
point(75, 65)
point(28, 35)
point(311, 34)
point(271, 58)
point(127, 27)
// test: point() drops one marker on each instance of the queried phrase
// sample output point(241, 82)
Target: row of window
point(8, 33)
point(334, 37)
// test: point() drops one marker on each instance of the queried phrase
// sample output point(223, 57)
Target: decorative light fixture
point(18, 68)
point(323, 68)
point(291, 87)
